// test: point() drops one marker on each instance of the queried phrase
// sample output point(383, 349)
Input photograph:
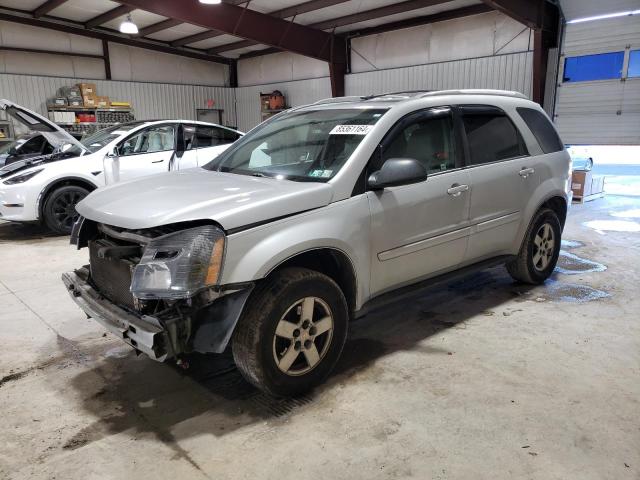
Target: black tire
point(258, 351)
point(59, 210)
point(534, 264)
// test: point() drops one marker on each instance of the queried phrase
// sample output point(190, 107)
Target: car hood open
point(232, 200)
point(54, 134)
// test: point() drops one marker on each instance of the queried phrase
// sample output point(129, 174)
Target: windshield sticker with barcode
point(351, 129)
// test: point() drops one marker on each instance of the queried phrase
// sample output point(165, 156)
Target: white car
point(48, 187)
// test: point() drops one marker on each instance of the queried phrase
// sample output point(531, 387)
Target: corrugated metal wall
point(509, 72)
point(149, 100)
point(300, 92)
point(603, 112)
point(152, 100)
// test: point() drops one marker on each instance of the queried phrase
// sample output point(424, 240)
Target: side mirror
point(112, 153)
point(396, 172)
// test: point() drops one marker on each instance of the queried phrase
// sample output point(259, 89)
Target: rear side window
point(542, 129)
point(211, 136)
point(491, 135)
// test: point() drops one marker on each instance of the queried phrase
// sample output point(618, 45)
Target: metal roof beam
point(47, 6)
point(388, 27)
point(372, 14)
point(156, 27)
point(103, 34)
point(108, 16)
point(536, 14)
point(306, 7)
point(251, 25)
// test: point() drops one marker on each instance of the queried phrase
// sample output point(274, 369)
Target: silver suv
point(276, 244)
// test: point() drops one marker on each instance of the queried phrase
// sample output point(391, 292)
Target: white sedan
point(47, 188)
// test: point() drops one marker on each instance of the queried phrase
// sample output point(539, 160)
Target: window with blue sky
point(585, 68)
point(634, 63)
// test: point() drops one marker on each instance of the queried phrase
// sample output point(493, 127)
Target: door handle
point(456, 189)
point(525, 172)
point(157, 161)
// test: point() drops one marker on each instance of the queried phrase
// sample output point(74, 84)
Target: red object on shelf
point(85, 117)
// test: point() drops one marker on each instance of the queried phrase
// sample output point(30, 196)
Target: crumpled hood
point(196, 194)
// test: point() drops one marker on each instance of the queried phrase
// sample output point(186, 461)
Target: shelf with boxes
point(79, 110)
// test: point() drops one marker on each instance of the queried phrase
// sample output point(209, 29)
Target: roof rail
point(476, 91)
point(353, 98)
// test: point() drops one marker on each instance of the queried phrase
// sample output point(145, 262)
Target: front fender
point(344, 226)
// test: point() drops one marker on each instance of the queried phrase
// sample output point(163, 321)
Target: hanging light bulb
point(128, 26)
point(211, 2)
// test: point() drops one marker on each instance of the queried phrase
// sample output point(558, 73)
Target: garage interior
point(479, 377)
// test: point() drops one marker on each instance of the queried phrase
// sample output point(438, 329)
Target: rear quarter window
point(542, 129)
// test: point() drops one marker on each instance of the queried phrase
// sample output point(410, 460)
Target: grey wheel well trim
point(78, 181)
point(349, 286)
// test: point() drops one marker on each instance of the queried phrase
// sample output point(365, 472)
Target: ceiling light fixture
point(211, 2)
point(604, 17)
point(128, 26)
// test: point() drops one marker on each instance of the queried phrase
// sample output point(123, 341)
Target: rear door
point(146, 152)
point(503, 176)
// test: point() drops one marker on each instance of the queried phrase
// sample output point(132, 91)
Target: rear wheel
point(292, 332)
point(540, 249)
point(60, 208)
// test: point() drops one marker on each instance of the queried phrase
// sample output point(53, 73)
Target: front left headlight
point(23, 177)
point(179, 264)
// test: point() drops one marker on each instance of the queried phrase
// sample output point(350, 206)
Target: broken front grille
point(110, 272)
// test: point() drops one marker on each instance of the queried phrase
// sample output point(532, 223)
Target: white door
point(146, 152)
point(422, 229)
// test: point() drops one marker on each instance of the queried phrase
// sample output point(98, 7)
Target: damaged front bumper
point(206, 329)
point(144, 333)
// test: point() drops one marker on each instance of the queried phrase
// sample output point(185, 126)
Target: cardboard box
point(87, 89)
point(90, 101)
point(75, 101)
point(58, 102)
point(584, 184)
point(103, 102)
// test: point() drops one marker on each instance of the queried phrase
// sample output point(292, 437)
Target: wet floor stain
point(570, 244)
point(571, 264)
point(633, 213)
point(572, 293)
point(613, 226)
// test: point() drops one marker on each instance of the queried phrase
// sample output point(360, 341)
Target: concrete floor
point(479, 379)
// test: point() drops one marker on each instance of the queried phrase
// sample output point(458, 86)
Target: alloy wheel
point(303, 336)
point(543, 247)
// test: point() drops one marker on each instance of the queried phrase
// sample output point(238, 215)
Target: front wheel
point(539, 251)
point(60, 208)
point(292, 332)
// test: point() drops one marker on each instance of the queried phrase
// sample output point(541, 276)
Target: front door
point(146, 152)
point(422, 229)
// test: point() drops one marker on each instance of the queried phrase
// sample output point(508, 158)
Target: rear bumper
point(144, 333)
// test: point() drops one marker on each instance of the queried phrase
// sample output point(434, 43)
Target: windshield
point(303, 146)
point(101, 138)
